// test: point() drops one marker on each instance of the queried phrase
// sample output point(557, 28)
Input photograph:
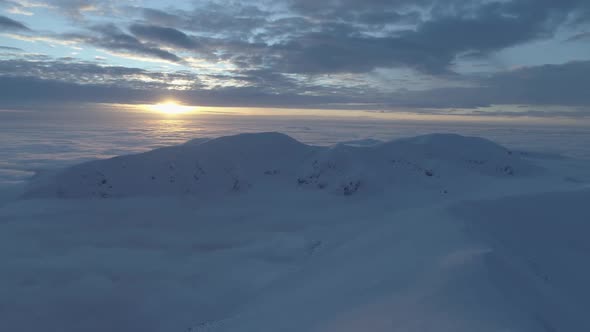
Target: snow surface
point(258, 232)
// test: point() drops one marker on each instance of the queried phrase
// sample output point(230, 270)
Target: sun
point(171, 108)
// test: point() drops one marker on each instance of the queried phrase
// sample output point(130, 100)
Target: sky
point(504, 58)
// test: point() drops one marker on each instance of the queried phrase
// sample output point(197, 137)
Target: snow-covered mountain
point(261, 233)
point(274, 161)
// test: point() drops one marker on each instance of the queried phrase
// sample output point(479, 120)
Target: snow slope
point(443, 233)
point(540, 244)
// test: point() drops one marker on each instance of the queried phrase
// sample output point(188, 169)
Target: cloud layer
point(374, 53)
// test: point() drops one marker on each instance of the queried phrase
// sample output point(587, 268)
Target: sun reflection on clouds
point(171, 108)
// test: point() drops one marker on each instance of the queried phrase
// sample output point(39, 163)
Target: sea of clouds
point(31, 143)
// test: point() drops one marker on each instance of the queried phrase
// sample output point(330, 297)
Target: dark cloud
point(68, 70)
point(345, 9)
point(156, 16)
point(164, 35)
point(320, 53)
point(564, 85)
point(13, 49)
point(111, 37)
point(573, 114)
point(271, 81)
point(387, 16)
point(455, 27)
point(235, 19)
point(78, 9)
point(18, 90)
point(582, 36)
point(8, 24)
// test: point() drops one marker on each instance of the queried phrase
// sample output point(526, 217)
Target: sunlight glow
point(171, 108)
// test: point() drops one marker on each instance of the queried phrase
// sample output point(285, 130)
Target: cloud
point(8, 24)
point(563, 85)
point(572, 114)
point(579, 37)
point(161, 17)
point(345, 36)
point(18, 90)
point(15, 91)
point(336, 36)
point(77, 10)
point(431, 47)
point(333, 53)
point(12, 49)
point(238, 19)
point(110, 37)
point(538, 85)
point(94, 73)
point(328, 52)
point(163, 35)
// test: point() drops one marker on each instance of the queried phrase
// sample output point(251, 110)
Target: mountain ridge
point(237, 163)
